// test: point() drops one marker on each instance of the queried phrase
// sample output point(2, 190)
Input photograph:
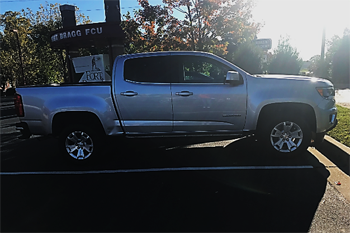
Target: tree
point(50, 62)
point(152, 28)
point(341, 63)
point(285, 59)
point(324, 68)
point(318, 67)
point(206, 25)
point(9, 54)
point(332, 46)
point(249, 57)
point(42, 64)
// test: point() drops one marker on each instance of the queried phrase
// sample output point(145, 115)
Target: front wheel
point(79, 142)
point(286, 136)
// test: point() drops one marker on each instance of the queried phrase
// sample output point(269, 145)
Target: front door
point(202, 102)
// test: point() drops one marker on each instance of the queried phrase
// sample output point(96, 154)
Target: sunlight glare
point(303, 21)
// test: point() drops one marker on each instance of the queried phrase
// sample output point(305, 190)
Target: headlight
point(325, 92)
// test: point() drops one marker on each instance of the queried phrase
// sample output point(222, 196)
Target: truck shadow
point(336, 155)
point(236, 200)
point(242, 199)
point(201, 152)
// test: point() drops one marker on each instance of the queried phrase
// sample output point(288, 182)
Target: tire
point(285, 136)
point(80, 143)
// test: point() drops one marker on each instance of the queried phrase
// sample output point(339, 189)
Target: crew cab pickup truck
point(180, 94)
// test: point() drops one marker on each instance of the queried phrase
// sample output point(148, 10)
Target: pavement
point(337, 153)
point(335, 204)
point(337, 162)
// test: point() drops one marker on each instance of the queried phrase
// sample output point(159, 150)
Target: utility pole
point(323, 43)
point(20, 55)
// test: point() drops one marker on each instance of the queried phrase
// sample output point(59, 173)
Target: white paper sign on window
point(94, 68)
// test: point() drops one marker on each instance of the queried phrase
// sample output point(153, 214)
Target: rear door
point(202, 101)
point(143, 95)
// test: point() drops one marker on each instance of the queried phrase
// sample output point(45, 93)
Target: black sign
point(87, 35)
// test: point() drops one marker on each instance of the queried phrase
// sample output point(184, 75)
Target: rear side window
point(147, 69)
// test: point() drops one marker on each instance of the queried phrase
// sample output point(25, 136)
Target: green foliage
point(336, 64)
point(332, 46)
point(41, 63)
point(285, 59)
point(206, 25)
point(341, 132)
point(323, 68)
point(249, 57)
point(319, 68)
point(9, 54)
point(341, 62)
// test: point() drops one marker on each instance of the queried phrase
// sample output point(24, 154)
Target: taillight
point(19, 105)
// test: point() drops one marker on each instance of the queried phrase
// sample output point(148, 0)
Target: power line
point(16, 1)
point(3, 1)
point(129, 7)
point(123, 8)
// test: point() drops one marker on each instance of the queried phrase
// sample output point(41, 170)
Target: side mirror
point(233, 78)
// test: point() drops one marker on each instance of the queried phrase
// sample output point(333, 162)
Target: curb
point(336, 158)
point(338, 144)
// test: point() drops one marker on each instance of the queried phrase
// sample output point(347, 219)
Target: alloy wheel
point(286, 136)
point(79, 145)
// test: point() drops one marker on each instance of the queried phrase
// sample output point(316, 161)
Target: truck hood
point(296, 78)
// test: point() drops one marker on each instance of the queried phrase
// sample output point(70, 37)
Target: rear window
point(147, 69)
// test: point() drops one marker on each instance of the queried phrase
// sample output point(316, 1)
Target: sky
point(300, 20)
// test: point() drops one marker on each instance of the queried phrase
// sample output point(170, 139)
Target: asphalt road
point(156, 185)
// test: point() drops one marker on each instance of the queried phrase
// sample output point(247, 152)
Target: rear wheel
point(286, 135)
point(79, 142)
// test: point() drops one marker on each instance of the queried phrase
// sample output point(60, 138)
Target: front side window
point(147, 69)
point(195, 69)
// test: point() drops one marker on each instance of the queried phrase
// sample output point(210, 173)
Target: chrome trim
point(129, 123)
point(135, 82)
point(129, 93)
point(333, 118)
point(224, 131)
point(198, 123)
point(184, 93)
point(185, 135)
point(231, 115)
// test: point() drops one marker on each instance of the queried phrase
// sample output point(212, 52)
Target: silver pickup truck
point(180, 94)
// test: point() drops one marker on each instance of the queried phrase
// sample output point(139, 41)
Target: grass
point(341, 132)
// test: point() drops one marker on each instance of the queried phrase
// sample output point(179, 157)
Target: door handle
point(129, 93)
point(184, 93)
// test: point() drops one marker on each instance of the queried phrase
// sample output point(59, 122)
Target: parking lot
point(165, 185)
